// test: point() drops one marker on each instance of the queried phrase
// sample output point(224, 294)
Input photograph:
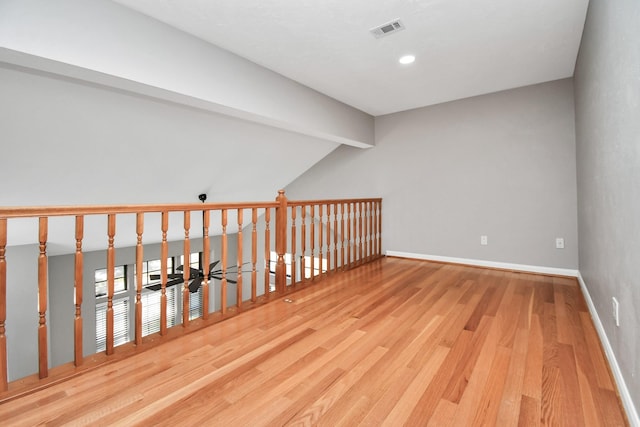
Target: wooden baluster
point(372, 232)
point(254, 254)
point(139, 258)
point(239, 263)
point(348, 234)
point(111, 266)
point(303, 243)
point(367, 230)
point(281, 242)
point(342, 252)
point(186, 270)
point(335, 236)
point(359, 233)
point(374, 235)
point(329, 238)
point(360, 221)
point(380, 228)
point(223, 282)
point(206, 255)
point(328, 234)
point(363, 242)
point(78, 279)
point(362, 229)
point(356, 235)
point(267, 251)
point(293, 244)
point(364, 232)
point(320, 240)
point(312, 224)
point(4, 383)
point(355, 232)
point(164, 254)
point(43, 352)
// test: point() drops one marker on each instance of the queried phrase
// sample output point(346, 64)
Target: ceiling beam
point(104, 43)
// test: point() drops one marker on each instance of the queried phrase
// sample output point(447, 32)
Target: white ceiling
point(463, 47)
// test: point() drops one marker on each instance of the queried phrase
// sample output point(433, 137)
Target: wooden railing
point(308, 239)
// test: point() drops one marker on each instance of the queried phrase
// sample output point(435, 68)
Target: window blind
point(120, 323)
point(195, 304)
point(151, 310)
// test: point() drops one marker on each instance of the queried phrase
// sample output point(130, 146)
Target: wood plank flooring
point(396, 342)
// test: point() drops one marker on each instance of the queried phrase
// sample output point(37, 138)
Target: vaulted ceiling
point(463, 48)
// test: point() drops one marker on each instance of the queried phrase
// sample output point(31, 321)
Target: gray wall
point(501, 165)
point(68, 143)
point(607, 85)
point(22, 311)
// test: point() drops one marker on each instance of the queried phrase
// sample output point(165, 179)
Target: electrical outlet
point(559, 243)
point(484, 240)
point(616, 310)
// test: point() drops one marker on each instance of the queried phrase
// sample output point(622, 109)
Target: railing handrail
point(342, 233)
point(331, 201)
point(36, 211)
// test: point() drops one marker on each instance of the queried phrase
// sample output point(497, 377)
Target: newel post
point(281, 241)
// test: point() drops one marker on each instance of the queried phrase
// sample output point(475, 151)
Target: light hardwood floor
point(396, 342)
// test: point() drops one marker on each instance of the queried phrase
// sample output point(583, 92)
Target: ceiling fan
point(196, 277)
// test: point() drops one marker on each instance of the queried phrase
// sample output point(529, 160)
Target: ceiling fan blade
point(213, 264)
point(230, 270)
point(236, 265)
point(170, 283)
point(195, 285)
point(174, 282)
point(219, 272)
point(220, 278)
point(169, 276)
point(193, 272)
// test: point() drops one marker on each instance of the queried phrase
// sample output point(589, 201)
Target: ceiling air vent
point(388, 28)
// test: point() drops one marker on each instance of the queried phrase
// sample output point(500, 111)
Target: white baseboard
point(491, 264)
point(625, 396)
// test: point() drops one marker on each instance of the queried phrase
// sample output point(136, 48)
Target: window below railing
point(239, 254)
point(120, 323)
point(151, 309)
point(305, 266)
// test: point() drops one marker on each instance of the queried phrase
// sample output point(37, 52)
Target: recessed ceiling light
point(407, 59)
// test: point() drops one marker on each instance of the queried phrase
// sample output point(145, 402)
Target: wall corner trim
point(625, 396)
point(490, 264)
